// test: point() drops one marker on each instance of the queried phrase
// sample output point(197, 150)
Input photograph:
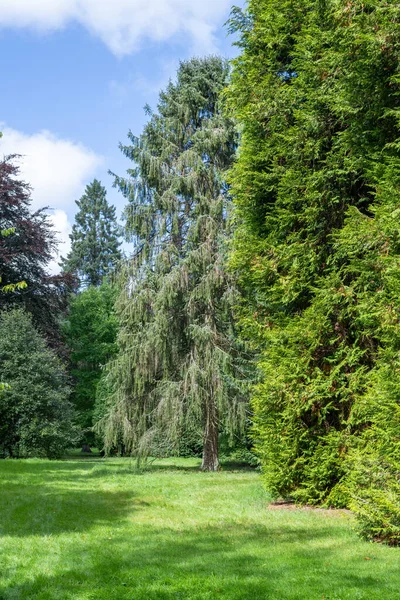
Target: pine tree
point(179, 364)
point(95, 237)
point(316, 188)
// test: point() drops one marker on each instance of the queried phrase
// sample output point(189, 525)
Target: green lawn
point(97, 529)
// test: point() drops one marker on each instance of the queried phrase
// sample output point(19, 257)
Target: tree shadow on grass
point(149, 467)
point(232, 563)
point(36, 472)
point(44, 510)
point(272, 559)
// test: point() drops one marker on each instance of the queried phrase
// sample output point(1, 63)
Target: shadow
point(234, 563)
point(47, 499)
point(225, 466)
point(88, 539)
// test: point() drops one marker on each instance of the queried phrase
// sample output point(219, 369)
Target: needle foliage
point(179, 365)
point(95, 237)
point(317, 188)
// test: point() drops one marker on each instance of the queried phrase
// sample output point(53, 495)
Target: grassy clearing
point(92, 529)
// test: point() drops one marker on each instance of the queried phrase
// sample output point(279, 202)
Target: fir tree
point(95, 237)
point(316, 188)
point(179, 364)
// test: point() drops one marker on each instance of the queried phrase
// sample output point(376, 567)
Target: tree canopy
point(90, 331)
point(35, 413)
point(25, 254)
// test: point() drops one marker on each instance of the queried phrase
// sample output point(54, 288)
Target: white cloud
point(123, 24)
point(63, 228)
point(57, 170)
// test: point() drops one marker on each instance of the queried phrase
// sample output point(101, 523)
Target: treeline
point(259, 304)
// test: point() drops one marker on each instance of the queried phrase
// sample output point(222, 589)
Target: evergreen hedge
point(317, 246)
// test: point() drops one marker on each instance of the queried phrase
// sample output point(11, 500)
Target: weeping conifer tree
point(179, 365)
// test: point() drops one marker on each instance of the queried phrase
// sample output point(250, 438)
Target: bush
point(35, 413)
point(375, 499)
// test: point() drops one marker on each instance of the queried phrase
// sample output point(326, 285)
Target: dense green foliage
point(90, 332)
point(317, 185)
point(179, 365)
point(18, 285)
point(10, 287)
point(35, 413)
point(95, 237)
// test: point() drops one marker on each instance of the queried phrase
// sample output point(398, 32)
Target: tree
point(95, 237)
point(35, 413)
point(90, 332)
point(11, 287)
point(25, 253)
point(179, 364)
point(316, 188)
point(19, 285)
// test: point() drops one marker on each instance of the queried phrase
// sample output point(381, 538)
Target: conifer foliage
point(179, 365)
point(317, 187)
point(95, 237)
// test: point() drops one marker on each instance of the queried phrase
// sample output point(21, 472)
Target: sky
point(75, 77)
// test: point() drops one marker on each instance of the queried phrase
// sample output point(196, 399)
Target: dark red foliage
point(26, 253)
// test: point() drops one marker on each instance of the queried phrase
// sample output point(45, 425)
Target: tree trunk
point(210, 446)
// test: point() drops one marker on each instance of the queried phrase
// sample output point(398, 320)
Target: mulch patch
point(287, 505)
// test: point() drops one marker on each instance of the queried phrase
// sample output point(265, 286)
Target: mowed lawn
point(88, 529)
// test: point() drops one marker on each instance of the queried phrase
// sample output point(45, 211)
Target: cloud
point(123, 25)
point(63, 228)
point(57, 170)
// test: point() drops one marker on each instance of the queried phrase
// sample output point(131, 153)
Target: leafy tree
point(90, 331)
point(95, 237)
point(25, 253)
point(19, 285)
point(179, 364)
point(35, 413)
point(11, 287)
point(316, 187)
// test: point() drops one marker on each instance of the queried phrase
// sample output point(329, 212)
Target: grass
point(95, 529)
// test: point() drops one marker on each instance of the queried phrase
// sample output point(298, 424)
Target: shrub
point(35, 413)
point(375, 499)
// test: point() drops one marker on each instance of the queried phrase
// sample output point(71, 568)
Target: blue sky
point(75, 77)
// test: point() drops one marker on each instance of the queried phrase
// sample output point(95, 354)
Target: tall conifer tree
point(179, 362)
point(317, 190)
point(95, 237)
